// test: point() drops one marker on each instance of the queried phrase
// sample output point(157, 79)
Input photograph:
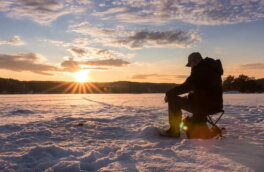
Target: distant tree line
point(242, 83)
point(11, 86)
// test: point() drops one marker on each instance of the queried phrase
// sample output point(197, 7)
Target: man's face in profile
point(192, 64)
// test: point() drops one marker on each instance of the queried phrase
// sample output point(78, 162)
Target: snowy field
point(118, 133)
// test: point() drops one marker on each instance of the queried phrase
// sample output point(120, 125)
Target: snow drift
point(119, 132)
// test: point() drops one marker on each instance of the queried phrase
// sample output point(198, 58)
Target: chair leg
point(215, 128)
point(220, 117)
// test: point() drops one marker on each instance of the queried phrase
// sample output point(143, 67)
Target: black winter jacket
point(204, 86)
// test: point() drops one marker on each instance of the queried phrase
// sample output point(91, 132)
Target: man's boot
point(174, 130)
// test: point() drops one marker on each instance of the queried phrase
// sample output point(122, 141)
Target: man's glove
point(166, 99)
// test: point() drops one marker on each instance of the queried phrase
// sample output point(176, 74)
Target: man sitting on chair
point(204, 86)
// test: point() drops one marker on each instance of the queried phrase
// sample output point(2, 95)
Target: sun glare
point(80, 86)
point(81, 76)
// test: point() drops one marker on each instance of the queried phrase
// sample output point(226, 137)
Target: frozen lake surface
point(118, 133)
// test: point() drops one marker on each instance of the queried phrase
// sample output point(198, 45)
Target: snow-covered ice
point(118, 133)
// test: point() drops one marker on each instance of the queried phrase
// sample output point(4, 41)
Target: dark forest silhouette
point(11, 86)
point(242, 83)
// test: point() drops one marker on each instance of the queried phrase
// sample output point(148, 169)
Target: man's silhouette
point(204, 86)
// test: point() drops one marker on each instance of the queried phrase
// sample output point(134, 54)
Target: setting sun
point(81, 76)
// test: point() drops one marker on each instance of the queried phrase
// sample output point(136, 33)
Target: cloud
point(259, 66)
point(145, 76)
point(97, 32)
point(159, 76)
point(78, 49)
point(206, 12)
point(16, 41)
point(25, 62)
point(77, 42)
point(70, 65)
point(90, 58)
point(110, 11)
point(40, 11)
point(81, 42)
point(5, 4)
point(93, 31)
point(139, 39)
point(151, 12)
point(34, 63)
point(107, 62)
point(97, 53)
point(175, 38)
point(93, 58)
point(181, 76)
point(77, 52)
point(73, 65)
